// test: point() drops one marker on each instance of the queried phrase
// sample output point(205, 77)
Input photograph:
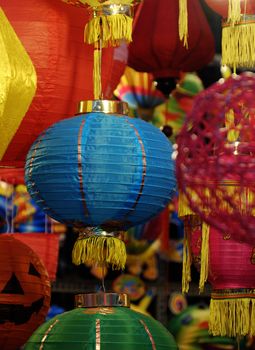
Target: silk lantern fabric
point(17, 82)
point(24, 292)
point(52, 34)
point(97, 169)
point(231, 274)
point(162, 53)
point(102, 328)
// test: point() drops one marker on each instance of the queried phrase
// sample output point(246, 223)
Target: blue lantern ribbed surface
point(96, 169)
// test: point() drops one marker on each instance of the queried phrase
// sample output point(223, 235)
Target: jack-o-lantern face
point(24, 292)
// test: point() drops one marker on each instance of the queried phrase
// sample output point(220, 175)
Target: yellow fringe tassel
point(234, 11)
point(186, 264)
point(110, 29)
point(232, 317)
point(204, 256)
point(183, 207)
point(238, 45)
point(97, 73)
point(183, 22)
point(101, 251)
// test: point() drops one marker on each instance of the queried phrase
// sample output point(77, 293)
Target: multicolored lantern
point(190, 329)
point(52, 34)
point(24, 292)
point(215, 162)
point(17, 81)
point(102, 321)
point(139, 91)
point(173, 112)
point(163, 54)
point(101, 173)
point(238, 29)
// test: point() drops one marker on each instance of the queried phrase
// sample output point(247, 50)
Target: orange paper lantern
point(24, 292)
point(52, 33)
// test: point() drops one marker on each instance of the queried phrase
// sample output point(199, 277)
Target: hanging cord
point(102, 279)
point(97, 73)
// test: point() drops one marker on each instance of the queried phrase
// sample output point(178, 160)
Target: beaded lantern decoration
point(215, 162)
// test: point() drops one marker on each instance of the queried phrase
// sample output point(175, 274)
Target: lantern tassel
point(234, 11)
point(183, 22)
point(97, 72)
point(204, 256)
point(238, 44)
point(232, 317)
point(111, 29)
point(186, 264)
point(101, 251)
point(183, 207)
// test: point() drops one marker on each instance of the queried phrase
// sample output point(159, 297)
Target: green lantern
point(101, 321)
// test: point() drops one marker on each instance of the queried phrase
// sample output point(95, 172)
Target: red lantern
point(162, 53)
point(232, 276)
point(24, 292)
point(52, 34)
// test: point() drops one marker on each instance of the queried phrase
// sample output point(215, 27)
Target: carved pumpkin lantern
point(52, 34)
point(24, 292)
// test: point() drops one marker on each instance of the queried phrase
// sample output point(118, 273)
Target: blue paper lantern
point(100, 169)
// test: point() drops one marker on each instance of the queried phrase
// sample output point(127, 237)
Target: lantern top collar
point(90, 300)
point(103, 106)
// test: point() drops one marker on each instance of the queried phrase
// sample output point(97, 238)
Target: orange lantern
point(24, 292)
point(162, 53)
point(52, 34)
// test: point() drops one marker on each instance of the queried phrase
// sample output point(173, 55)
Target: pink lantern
point(232, 277)
point(216, 157)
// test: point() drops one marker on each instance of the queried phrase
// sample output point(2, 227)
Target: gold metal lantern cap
point(91, 300)
point(103, 106)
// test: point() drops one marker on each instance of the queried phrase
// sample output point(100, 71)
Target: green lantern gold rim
point(91, 300)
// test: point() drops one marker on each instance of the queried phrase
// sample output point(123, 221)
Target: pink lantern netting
point(216, 157)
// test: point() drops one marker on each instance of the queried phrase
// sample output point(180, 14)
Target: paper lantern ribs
point(101, 173)
point(91, 326)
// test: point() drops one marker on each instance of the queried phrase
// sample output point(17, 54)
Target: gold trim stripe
point(149, 334)
point(144, 167)
point(98, 335)
point(80, 169)
point(47, 333)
